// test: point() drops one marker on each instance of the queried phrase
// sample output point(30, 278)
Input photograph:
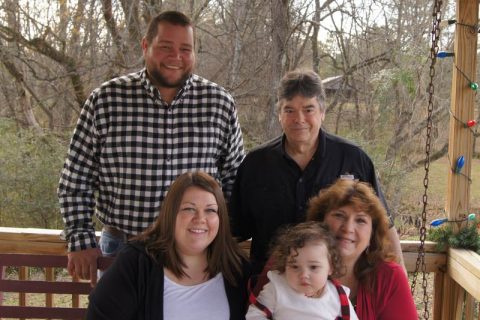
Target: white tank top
point(207, 300)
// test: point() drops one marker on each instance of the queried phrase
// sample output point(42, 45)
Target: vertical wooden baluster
point(75, 297)
point(2, 276)
point(438, 281)
point(469, 311)
point(22, 298)
point(49, 276)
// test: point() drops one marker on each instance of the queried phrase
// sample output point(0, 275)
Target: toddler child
point(305, 259)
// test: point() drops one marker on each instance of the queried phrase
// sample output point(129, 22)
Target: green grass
point(412, 191)
point(437, 186)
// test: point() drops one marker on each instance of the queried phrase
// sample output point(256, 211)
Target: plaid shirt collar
point(155, 93)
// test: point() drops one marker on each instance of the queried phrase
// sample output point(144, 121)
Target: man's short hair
point(173, 17)
point(305, 83)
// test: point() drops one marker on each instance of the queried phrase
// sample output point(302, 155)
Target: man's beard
point(159, 80)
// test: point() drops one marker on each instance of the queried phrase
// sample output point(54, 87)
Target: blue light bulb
point(444, 54)
point(437, 222)
point(460, 163)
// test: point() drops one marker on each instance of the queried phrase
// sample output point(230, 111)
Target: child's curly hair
point(296, 237)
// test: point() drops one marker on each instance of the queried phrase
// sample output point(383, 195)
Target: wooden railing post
point(460, 138)
point(2, 274)
point(438, 280)
point(22, 297)
point(49, 276)
point(75, 297)
point(469, 307)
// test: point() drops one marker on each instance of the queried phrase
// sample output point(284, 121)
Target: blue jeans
point(110, 245)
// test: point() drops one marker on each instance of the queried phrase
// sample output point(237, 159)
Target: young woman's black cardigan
point(132, 288)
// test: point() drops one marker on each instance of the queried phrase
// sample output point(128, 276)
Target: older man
point(276, 180)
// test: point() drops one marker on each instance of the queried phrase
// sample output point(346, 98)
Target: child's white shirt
point(286, 304)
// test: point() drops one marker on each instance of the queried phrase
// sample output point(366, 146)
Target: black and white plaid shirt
point(129, 146)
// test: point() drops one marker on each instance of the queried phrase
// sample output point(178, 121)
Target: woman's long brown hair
point(223, 254)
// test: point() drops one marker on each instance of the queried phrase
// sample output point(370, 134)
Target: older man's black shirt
point(272, 191)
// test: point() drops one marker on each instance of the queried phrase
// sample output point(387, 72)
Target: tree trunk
point(132, 19)
point(240, 10)
point(280, 29)
point(112, 28)
point(27, 117)
point(316, 27)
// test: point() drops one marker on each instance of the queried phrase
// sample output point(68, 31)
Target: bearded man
point(135, 135)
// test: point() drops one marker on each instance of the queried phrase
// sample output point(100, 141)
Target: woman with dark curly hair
point(379, 287)
point(305, 259)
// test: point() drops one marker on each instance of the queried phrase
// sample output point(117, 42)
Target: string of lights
point(445, 23)
point(468, 237)
point(471, 84)
point(470, 124)
point(439, 222)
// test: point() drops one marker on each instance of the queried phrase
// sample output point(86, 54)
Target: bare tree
point(280, 32)
point(26, 115)
point(241, 9)
point(55, 52)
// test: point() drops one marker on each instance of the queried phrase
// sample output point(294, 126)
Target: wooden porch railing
point(461, 265)
point(34, 242)
point(44, 287)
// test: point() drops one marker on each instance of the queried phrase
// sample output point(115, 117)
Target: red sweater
point(391, 297)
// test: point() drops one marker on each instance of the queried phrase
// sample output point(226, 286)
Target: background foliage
point(372, 54)
point(30, 165)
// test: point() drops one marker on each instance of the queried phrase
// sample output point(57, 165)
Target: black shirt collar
point(321, 148)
